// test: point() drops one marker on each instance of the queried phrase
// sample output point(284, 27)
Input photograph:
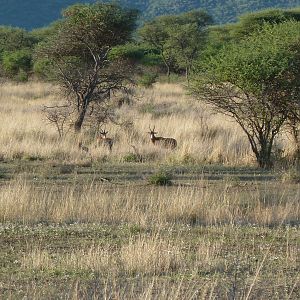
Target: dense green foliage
point(36, 13)
point(252, 22)
point(257, 82)
point(17, 64)
point(78, 54)
point(16, 47)
point(12, 39)
point(248, 24)
point(178, 38)
point(182, 36)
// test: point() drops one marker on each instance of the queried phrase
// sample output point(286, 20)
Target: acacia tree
point(16, 48)
point(247, 24)
point(179, 38)
point(251, 22)
point(257, 83)
point(77, 54)
point(187, 37)
point(155, 34)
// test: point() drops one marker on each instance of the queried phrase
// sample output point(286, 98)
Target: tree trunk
point(168, 73)
point(264, 157)
point(295, 133)
point(79, 121)
point(167, 66)
point(187, 75)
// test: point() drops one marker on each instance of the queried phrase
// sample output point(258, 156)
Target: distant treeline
point(31, 14)
point(167, 44)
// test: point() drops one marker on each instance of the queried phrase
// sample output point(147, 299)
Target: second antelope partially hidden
point(102, 139)
point(162, 141)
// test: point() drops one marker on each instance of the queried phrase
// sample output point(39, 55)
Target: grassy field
point(76, 225)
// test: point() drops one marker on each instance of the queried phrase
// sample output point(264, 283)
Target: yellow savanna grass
point(155, 264)
point(202, 136)
point(23, 202)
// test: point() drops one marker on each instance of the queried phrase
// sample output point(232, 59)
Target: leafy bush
point(22, 76)
point(142, 54)
point(129, 51)
point(151, 59)
point(42, 68)
point(32, 157)
point(148, 79)
point(161, 178)
point(131, 157)
point(14, 39)
point(17, 63)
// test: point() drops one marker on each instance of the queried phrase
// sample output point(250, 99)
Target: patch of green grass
point(228, 256)
point(32, 157)
point(161, 178)
point(132, 158)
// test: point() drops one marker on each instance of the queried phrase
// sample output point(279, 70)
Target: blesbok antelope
point(162, 141)
point(105, 141)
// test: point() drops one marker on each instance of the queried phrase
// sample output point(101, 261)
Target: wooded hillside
point(35, 13)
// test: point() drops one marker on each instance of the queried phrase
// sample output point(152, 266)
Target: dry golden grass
point(75, 237)
point(216, 264)
point(23, 202)
point(147, 256)
point(201, 135)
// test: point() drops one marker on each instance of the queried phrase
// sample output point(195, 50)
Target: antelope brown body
point(162, 141)
point(105, 141)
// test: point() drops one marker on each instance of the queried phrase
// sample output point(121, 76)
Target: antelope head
point(103, 134)
point(104, 140)
point(152, 133)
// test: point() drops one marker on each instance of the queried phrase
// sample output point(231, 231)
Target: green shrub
point(151, 60)
point(129, 51)
point(161, 178)
point(22, 76)
point(42, 68)
point(17, 63)
point(131, 157)
point(32, 157)
point(148, 79)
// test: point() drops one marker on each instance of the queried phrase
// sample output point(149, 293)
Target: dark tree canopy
point(12, 39)
point(87, 28)
point(252, 22)
point(256, 82)
point(178, 38)
point(78, 51)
